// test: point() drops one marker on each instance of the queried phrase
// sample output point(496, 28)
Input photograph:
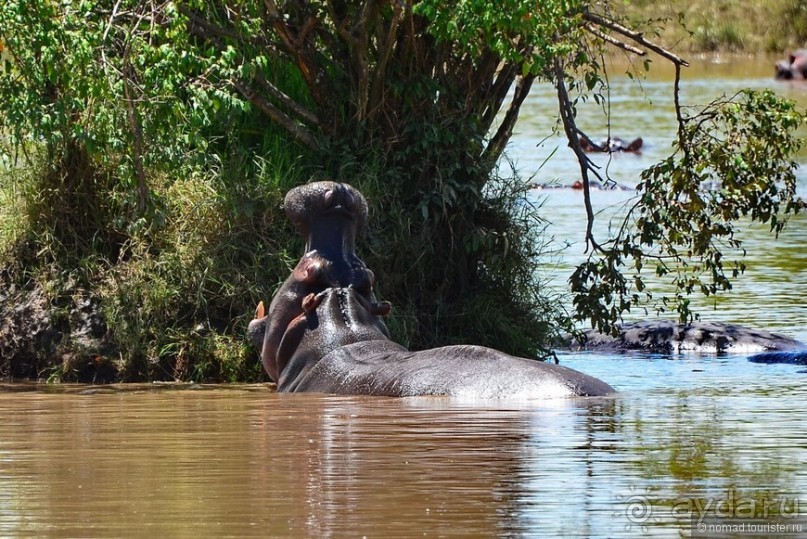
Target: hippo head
point(328, 299)
point(784, 70)
point(794, 68)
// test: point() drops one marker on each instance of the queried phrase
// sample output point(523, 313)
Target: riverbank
point(698, 26)
point(165, 291)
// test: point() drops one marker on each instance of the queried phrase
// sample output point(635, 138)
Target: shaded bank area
point(169, 302)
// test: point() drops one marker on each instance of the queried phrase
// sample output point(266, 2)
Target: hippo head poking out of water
point(329, 215)
point(323, 331)
point(794, 68)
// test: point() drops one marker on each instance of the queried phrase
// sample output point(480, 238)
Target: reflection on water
point(243, 461)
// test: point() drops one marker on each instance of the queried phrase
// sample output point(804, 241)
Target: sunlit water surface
point(238, 461)
point(245, 461)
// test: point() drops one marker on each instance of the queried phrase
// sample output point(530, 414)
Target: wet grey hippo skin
point(712, 337)
point(796, 357)
point(794, 68)
point(323, 331)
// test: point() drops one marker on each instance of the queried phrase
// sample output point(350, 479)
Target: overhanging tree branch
point(613, 41)
point(567, 111)
point(297, 130)
point(505, 131)
point(635, 36)
point(572, 134)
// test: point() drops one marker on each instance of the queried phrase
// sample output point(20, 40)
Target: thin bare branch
point(613, 41)
point(638, 37)
point(388, 45)
point(204, 28)
point(498, 93)
point(297, 130)
point(573, 135)
point(505, 131)
point(286, 101)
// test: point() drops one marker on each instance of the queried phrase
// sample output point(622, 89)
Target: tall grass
point(750, 26)
point(196, 280)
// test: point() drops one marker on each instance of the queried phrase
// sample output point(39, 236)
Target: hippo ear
point(636, 145)
point(260, 310)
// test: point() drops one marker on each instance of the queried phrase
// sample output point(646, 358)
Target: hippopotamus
point(664, 336)
point(794, 68)
point(794, 357)
point(611, 145)
point(578, 185)
point(323, 331)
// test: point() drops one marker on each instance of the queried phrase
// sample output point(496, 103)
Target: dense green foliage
point(153, 144)
point(421, 85)
point(146, 148)
point(123, 180)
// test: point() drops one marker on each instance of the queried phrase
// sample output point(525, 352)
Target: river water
point(684, 435)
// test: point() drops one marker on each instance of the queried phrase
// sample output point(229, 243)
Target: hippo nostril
point(339, 196)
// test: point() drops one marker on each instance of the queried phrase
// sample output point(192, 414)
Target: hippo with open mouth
point(323, 331)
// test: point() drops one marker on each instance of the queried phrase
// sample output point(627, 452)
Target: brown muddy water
point(685, 436)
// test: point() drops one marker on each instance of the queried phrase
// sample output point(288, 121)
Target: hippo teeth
point(311, 302)
point(338, 197)
point(382, 308)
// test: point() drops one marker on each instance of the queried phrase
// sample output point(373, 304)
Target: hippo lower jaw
point(328, 215)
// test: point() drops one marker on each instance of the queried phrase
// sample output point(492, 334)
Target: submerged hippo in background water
point(796, 357)
point(611, 145)
point(594, 185)
point(794, 68)
point(323, 331)
point(665, 336)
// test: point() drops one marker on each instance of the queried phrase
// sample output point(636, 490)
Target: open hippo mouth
point(329, 215)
